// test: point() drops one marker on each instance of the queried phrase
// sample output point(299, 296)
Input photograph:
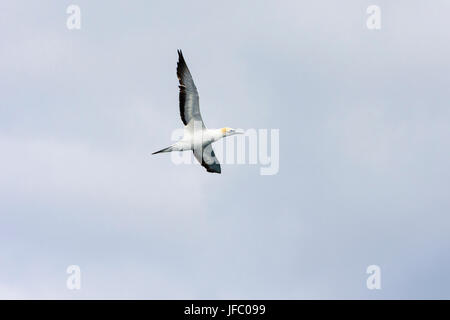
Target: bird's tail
point(168, 149)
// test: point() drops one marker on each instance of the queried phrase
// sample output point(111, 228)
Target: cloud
point(363, 178)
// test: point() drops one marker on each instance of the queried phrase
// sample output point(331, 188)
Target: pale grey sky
point(364, 124)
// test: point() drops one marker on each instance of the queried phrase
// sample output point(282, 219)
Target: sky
point(364, 138)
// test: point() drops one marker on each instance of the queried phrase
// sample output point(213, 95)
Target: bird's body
point(196, 136)
point(195, 139)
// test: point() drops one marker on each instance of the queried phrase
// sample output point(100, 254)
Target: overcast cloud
point(364, 175)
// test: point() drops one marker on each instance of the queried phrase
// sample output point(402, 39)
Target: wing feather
point(189, 100)
point(208, 160)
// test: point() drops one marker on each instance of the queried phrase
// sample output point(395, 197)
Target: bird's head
point(230, 131)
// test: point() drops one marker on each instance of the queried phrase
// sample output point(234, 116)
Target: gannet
point(196, 136)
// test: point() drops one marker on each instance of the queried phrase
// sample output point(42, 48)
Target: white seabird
point(196, 136)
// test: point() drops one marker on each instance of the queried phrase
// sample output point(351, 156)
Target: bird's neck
point(216, 134)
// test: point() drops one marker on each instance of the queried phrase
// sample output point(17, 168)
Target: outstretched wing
point(208, 159)
point(189, 102)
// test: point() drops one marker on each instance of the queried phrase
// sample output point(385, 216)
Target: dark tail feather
point(168, 149)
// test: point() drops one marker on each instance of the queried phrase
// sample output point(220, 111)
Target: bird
point(196, 136)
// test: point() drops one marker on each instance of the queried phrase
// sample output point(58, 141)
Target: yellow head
point(225, 130)
point(230, 131)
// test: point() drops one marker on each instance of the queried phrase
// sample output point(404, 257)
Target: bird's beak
point(238, 131)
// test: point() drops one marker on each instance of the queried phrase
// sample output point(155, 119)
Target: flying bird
point(196, 136)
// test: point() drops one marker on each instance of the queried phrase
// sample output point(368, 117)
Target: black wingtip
point(214, 169)
point(180, 57)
